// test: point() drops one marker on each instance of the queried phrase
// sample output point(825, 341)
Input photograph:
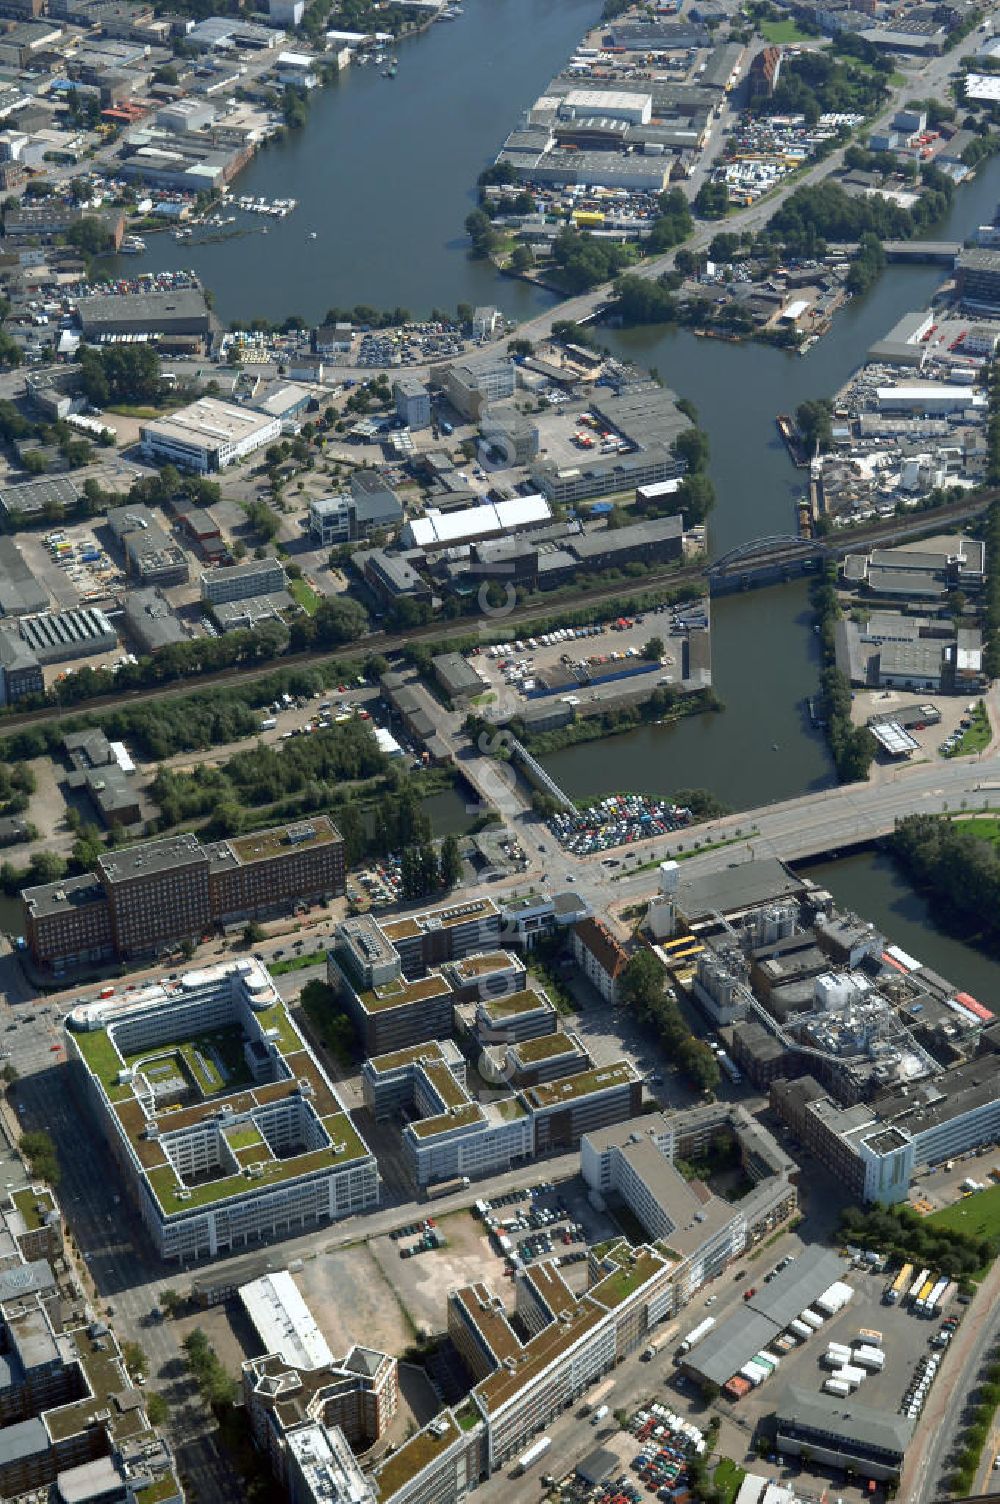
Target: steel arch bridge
point(761, 550)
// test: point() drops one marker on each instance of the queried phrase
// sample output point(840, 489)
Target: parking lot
point(885, 702)
point(511, 669)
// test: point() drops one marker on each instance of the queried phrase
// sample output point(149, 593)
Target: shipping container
point(838, 1387)
point(800, 1329)
point(869, 1336)
point(813, 1319)
point(868, 1357)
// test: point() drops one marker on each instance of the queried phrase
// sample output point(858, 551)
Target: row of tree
point(644, 992)
point(908, 1237)
point(853, 747)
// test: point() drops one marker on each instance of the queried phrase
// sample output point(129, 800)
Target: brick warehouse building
point(159, 892)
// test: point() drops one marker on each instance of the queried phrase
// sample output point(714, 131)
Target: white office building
point(208, 435)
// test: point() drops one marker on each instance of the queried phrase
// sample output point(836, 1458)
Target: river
point(384, 172)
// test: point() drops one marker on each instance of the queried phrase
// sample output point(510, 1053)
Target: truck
point(899, 1286)
point(933, 1302)
point(446, 1187)
point(811, 1318)
point(917, 1285)
point(695, 1335)
point(599, 1395)
point(268, 723)
point(920, 1304)
point(869, 1336)
point(653, 1346)
point(837, 1387)
point(536, 1451)
point(600, 1414)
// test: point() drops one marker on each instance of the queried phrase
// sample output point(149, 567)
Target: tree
point(450, 862)
point(157, 1408)
point(815, 421)
point(90, 235)
point(712, 201)
point(171, 1301)
point(521, 259)
point(120, 373)
point(479, 228)
point(38, 1148)
point(253, 933)
point(654, 649)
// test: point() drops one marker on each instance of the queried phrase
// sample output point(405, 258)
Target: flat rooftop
point(513, 1003)
point(545, 1046)
point(416, 1454)
point(210, 423)
point(403, 994)
point(259, 1167)
point(317, 831)
point(568, 1089)
point(434, 919)
point(743, 886)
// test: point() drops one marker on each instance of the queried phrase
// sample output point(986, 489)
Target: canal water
point(385, 173)
point(871, 885)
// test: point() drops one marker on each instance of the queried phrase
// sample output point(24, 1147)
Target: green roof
point(544, 1046)
point(164, 1487)
point(567, 1088)
point(100, 1054)
point(165, 1185)
point(626, 1279)
point(276, 1017)
point(244, 1137)
point(28, 1201)
point(415, 1454)
point(403, 994)
point(526, 1001)
point(509, 1108)
point(461, 1118)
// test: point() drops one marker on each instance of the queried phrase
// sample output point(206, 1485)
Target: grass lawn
point(781, 31)
point(985, 827)
point(976, 737)
point(978, 1214)
point(728, 1477)
point(305, 595)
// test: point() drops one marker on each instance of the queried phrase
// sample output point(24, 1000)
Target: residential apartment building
point(152, 895)
point(600, 956)
point(222, 1123)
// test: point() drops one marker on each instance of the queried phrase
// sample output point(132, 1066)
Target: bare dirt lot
point(353, 1301)
point(421, 1284)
